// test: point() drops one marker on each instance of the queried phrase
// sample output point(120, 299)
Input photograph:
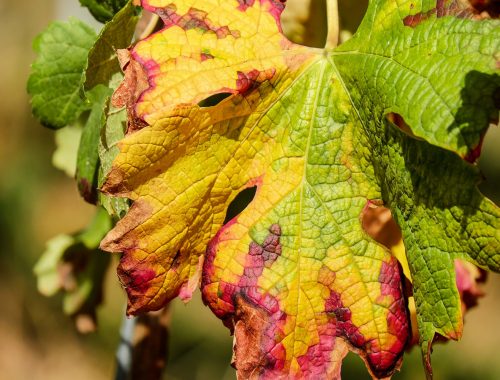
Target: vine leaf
point(102, 75)
point(56, 75)
point(112, 132)
point(219, 101)
point(87, 165)
point(102, 62)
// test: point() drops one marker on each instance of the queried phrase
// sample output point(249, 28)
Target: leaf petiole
point(332, 13)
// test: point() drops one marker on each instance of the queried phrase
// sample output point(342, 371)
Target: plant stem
point(142, 352)
point(332, 13)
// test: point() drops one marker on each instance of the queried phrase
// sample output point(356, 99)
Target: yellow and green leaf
point(219, 101)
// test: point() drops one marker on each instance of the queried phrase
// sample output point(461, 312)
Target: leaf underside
point(394, 116)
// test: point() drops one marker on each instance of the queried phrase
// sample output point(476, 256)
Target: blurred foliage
point(37, 202)
point(74, 264)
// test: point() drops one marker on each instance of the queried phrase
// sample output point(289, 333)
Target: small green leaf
point(117, 34)
point(88, 158)
point(56, 76)
point(103, 10)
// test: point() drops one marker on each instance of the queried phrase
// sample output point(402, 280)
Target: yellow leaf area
point(294, 275)
point(209, 48)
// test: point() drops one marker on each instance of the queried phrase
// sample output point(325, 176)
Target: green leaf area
point(103, 10)
point(424, 89)
point(71, 85)
point(102, 61)
point(394, 116)
point(61, 97)
point(56, 76)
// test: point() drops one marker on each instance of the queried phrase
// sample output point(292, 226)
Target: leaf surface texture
point(394, 116)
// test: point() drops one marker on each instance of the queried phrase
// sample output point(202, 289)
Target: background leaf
point(73, 264)
point(56, 76)
point(111, 134)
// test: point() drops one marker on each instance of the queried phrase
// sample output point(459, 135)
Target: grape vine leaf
point(87, 165)
point(56, 76)
point(394, 116)
point(113, 132)
point(380, 225)
point(101, 76)
point(102, 62)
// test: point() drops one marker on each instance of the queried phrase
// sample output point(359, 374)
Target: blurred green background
point(37, 202)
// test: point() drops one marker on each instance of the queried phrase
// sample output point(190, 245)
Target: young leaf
point(56, 76)
point(321, 134)
point(74, 264)
point(103, 10)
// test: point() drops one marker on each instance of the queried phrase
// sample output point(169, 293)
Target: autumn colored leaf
point(219, 101)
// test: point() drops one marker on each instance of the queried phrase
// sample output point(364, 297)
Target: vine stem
point(332, 14)
point(142, 351)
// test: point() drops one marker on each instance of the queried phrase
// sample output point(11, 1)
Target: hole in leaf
point(176, 261)
point(240, 203)
point(397, 120)
point(378, 222)
point(215, 99)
